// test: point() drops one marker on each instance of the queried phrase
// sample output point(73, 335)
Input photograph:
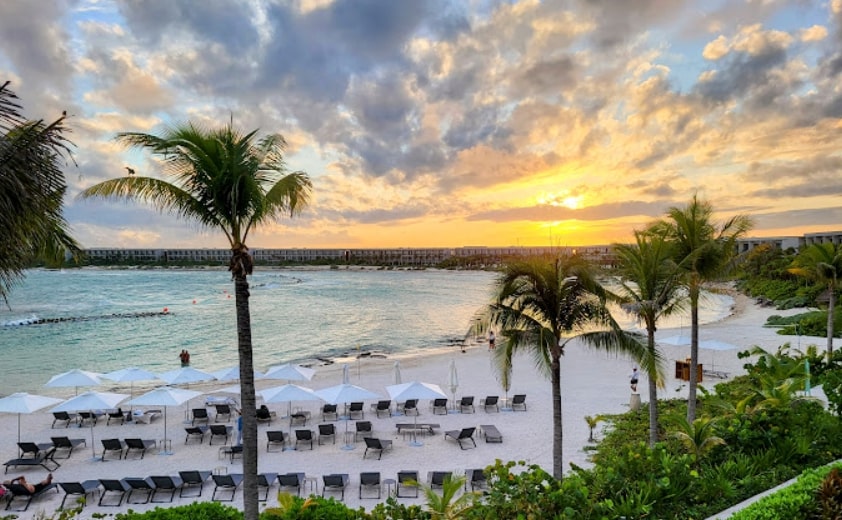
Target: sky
point(437, 123)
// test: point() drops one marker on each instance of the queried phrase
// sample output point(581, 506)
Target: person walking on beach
point(239, 428)
point(184, 357)
point(633, 379)
point(491, 340)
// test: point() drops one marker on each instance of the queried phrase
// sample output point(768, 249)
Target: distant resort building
point(408, 257)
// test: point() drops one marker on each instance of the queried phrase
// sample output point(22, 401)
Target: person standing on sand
point(239, 428)
point(491, 340)
point(633, 379)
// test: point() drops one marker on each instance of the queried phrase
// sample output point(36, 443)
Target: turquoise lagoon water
point(297, 316)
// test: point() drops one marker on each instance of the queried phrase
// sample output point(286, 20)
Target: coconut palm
point(703, 251)
point(539, 306)
point(822, 263)
point(649, 289)
point(229, 181)
point(32, 186)
point(446, 506)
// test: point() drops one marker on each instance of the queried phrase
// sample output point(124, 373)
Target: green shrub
point(195, 511)
point(794, 501)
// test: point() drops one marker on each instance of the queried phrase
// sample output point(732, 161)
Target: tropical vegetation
point(229, 181)
point(822, 263)
point(32, 188)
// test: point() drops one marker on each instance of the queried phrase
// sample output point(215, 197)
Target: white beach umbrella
point(677, 341)
point(185, 375)
point(75, 378)
point(165, 396)
point(454, 379)
point(346, 393)
point(90, 401)
point(231, 374)
point(714, 344)
point(398, 373)
point(290, 372)
point(130, 375)
point(415, 390)
point(21, 402)
point(287, 394)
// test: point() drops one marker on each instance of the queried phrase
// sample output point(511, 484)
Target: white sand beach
point(592, 383)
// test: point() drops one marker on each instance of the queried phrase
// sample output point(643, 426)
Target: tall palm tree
point(649, 289)
point(32, 187)
point(539, 306)
point(229, 181)
point(704, 251)
point(822, 263)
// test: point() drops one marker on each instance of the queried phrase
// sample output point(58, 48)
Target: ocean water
point(297, 316)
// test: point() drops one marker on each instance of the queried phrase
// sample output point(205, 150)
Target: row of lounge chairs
point(91, 418)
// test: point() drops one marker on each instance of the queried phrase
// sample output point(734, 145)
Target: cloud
point(599, 212)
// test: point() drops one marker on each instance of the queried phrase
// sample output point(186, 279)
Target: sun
point(564, 199)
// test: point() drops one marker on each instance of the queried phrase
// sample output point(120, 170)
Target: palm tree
point(540, 305)
point(649, 287)
point(698, 437)
point(703, 251)
point(446, 506)
point(822, 263)
point(32, 187)
point(226, 180)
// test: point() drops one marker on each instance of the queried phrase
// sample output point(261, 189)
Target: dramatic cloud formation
point(449, 123)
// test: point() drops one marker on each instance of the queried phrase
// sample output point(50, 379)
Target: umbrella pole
point(18, 427)
point(415, 442)
point(347, 445)
point(93, 448)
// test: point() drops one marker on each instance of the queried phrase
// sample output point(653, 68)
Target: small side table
point(391, 486)
point(312, 483)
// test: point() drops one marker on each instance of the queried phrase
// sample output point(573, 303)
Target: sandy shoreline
point(592, 383)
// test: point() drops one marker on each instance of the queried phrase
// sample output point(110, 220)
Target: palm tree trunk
point(247, 399)
point(558, 470)
point(653, 394)
point(694, 351)
point(831, 305)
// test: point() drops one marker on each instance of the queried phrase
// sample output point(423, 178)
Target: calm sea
point(297, 316)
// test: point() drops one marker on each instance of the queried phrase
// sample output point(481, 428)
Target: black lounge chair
point(228, 482)
point(66, 443)
point(21, 495)
point(138, 446)
point(112, 446)
point(362, 428)
point(305, 436)
point(200, 415)
point(275, 438)
point(438, 478)
point(89, 418)
point(141, 485)
point(327, 430)
point(195, 432)
point(192, 479)
point(220, 430)
point(33, 449)
point(519, 402)
point(440, 406)
point(292, 480)
point(407, 480)
point(165, 483)
point(78, 489)
point(298, 419)
point(466, 404)
point(492, 401)
point(477, 479)
point(335, 483)
point(377, 445)
point(356, 409)
point(64, 417)
point(462, 435)
point(265, 481)
point(370, 480)
point(44, 459)
point(115, 488)
point(116, 416)
point(232, 451)
point(383, 407)
point(223, 411)
point(329, 410)
point(410, 407)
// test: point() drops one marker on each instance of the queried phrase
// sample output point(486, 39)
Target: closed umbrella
point(22, 402)
point(454, 380)
point(415, 390)
point(398, 373)
point(165, 396)
point(90, 401)
point(75, 378)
